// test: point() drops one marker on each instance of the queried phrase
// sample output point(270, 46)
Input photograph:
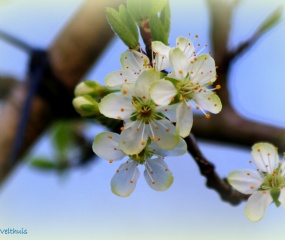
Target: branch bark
point(72, 54)
point(213, 181)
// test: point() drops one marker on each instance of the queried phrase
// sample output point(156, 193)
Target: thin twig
point(16, 42)
point(207, 169)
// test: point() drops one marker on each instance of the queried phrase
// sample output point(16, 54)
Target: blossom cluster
point(155, 107)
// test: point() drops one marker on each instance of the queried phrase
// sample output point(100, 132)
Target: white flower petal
point(184, 117)
point(162, 55)
point(125, 179)
point(203, 70)
point(180, 149)
point(179, 63)
point(116, 106)
point(134, 60)
point(157, 174)
point(283, 169)
point(115, 79)
point(265, 156)
point(245, 181)
point(133, 138)
point(165, 134)
point(162, 92)
point(282, 197)
point(186, 46)
point(207, 100)
point(257, 204)
point(106, 145)
point(128, 89)
point(144, 82)
point(169, 111)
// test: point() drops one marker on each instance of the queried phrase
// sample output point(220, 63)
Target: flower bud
point(86, 106)
point(87, 87)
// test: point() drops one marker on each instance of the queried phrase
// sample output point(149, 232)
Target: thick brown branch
point(207, 169)
point(6, 85)
point(229, 127)
point(72, 54)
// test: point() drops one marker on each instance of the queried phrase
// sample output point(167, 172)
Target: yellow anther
point(122, 128)
point(110, 137)
point(251, 187)
point(125, 91)
point(142, 143)
point(122, 109)
point(218, 87)
point(111, 160)
point(208, 115)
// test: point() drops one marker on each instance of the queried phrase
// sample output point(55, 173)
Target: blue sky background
point(81, 206)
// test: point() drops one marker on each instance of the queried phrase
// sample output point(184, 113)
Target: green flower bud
point(86, 106)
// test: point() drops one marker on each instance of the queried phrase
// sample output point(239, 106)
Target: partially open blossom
point(266, 184)
point(143, 120)
point(156, 173)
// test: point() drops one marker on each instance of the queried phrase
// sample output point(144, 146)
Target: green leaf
point(124, 26)
point(63, 136)
point(157, 30)
point(158, 5)
point(165, 18)
point(134, 7)
point(142, 9)
point(275, 193)
point(271, 21)
point(43, 164)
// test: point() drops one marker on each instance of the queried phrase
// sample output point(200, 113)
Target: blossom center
point(145, 110)
point(141, 157)
point(274, 180)
point(186, 89)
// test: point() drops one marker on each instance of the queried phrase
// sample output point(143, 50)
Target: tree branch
point(213, 181)
point(72, 54)
point(7, 83)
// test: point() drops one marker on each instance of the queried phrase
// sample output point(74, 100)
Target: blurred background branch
point(229, 126)
point(71, 55)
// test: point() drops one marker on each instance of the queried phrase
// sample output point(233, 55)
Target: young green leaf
point(165, 18)
point(124, 26)
point(43, 164)
point(157, 30)
point(63, 136)
point(271, 21)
